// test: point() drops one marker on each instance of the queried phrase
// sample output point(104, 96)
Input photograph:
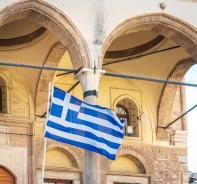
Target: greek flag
point(90, 127)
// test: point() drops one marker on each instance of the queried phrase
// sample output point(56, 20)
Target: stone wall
point(162, 164)
point(16, 149)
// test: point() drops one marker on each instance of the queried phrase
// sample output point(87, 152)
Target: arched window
point(126, 109)
point(136, 173)
point(3, 96)
point(122, 113)
point(58, 161)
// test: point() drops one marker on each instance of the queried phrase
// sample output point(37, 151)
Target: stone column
point(89, 80)
point(183, 107)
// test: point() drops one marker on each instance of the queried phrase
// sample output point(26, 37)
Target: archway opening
point(191, 101)
point(58, 157)
point(127, 169)
point(6, 177)
point(127, 164)
point(127, 110)
point(38, 32)
point(60, 167)
point(150, 49)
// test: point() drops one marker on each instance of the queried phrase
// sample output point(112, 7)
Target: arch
point(56, 22)
point(165, 104)
point(140, 160)
point(58, 157)
point(6, 175)
point(46, 76)
point(127, 163)
point(124, 110)
point(129, 97)
point(166, 25)
point(131, 112)
point(130, 151)
point(74, 157)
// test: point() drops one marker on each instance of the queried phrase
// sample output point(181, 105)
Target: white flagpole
point(45, 140)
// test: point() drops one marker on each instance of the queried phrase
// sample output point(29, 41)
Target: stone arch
point(129, 97)
point(129, 157)
point(128, 151)
point(169, 91)
point(46, 76)
point(56, 22)
point(9, 170)
point(65, 149)
point(166, 25)
point(131, 153)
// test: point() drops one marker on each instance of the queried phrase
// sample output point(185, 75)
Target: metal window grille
point(56, 181)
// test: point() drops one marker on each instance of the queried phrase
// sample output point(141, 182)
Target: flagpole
point(45, 140)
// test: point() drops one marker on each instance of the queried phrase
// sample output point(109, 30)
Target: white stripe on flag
point(85, 128)
point(105, 111)
point(81, 139)
point(98, 121)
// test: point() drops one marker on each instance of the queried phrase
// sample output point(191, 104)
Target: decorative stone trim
point(165, 104)
point(168, 26)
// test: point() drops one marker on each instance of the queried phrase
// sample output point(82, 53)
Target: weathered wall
point(162, 164)
point(86, 30)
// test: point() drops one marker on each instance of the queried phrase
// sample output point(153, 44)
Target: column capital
point(89, 78)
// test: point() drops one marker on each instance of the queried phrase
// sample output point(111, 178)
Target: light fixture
point(139, 117)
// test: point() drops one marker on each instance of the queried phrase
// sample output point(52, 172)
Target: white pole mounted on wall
point(45, 140)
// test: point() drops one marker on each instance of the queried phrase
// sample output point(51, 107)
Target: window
point(122, 113)
point(3, 101)
point(56, 181)
point(126, 109)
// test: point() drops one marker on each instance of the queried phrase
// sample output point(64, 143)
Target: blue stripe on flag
point(56, 110)
point(81, 145)
point(75, 101)
point(72, 118)
point(58, 93)
point(100, 115)
point(82, 133)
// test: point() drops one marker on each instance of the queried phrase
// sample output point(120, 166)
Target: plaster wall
point(33, 53)
point(20, 104)
point(96, 20)
point(12, 158)
point(57, 158)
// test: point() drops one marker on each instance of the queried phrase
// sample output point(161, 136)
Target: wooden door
point(6, 177)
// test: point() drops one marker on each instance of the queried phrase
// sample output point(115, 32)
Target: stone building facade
point(41, 40)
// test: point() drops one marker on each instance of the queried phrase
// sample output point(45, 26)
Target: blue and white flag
point(91, 127)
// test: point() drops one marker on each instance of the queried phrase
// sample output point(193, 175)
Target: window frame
point(57, 181)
